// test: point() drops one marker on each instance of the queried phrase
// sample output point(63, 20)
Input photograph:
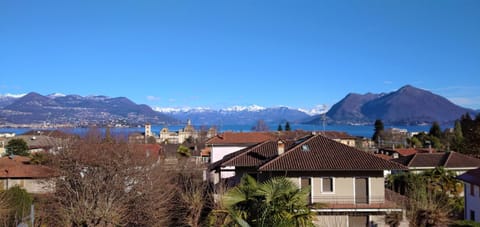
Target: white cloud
point(469, 102)
point(153, 98)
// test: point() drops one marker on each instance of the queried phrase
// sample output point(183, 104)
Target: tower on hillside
point(148, 130)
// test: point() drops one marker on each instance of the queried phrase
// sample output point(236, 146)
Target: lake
point(355, 130)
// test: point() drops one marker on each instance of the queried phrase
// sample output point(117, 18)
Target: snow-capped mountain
point(235, 114)
point(8, 99)
point(56, 95)
point(34, 108)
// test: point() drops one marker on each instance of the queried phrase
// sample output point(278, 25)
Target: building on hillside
point(347, 181)
point(341, 137)
point(41, 143)
point(148, 130)
point(18, 171)
point(7, 134)
point(453, 161)
point(402, 152)
point(471, 181)
point(182, 135)
point(3, 143)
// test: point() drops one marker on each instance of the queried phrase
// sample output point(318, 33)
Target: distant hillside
point(34, 108)
point(237, 115)
point(351, 107)
point(408, 105)
point(6, 100)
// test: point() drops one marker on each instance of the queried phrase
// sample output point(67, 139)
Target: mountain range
point(408, 105)
point(76, 110)
point(238, 115)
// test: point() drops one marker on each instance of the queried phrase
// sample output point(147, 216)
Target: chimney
point(280, 147)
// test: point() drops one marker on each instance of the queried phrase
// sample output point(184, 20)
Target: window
point(472, 189)
point(327, 184)
point(472, 215)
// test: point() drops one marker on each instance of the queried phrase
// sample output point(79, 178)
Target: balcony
point(390, 202)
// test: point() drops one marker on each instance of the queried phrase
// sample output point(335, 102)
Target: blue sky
point(222, 53)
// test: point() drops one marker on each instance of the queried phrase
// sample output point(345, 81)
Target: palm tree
point(284, 203)
point(276, 202)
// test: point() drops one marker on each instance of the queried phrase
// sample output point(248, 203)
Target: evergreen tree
point(379, 128)
point(457, 139)
point(471, 134)
point(435, 130)
point(17, 147)
point(287, 126)
point(279, 128)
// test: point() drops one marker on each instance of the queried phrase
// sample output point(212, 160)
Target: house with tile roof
point(471, 180)
point(400, 152)
point(17, 170)
point(349, 183)
point(453, 161)
point(230, 142)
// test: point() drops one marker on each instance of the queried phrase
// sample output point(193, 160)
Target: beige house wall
point(377, 190)
point(30, 185)
point(343, 189)
point(330, 220)
point(342, 220)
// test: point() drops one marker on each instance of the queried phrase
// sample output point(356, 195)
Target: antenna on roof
point(324, 117)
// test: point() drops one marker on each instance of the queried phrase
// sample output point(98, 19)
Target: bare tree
point(4, 209)
point(110, 184)
point(260, 126)
point(194, 199)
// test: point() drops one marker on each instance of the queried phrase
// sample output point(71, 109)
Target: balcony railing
point(391, 200)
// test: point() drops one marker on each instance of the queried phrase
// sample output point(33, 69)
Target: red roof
point(321, 153)
point(439, 159)
point(406, 151)
point(240, 138)
point(143, 151)
point(314, 153)
point(384, 156)
point(20, 167)
point(254, 156)
point(337, 135)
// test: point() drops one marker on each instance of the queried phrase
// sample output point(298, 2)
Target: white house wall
point(472, 202)
point(218, 152)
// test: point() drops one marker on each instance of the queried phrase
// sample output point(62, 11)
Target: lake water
point(355, 130)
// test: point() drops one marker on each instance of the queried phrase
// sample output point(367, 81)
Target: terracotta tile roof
point(458, 160)
point(20, 167)
point(406, 151)
point(384, 156)
point(336, 135)
point(471, 176)
point(240, 138)
point(144, 151)
point(444, 159)
point(40, 141)
point(320, 153)
point(254, 156)
point(206, 152)
point(50, 133)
